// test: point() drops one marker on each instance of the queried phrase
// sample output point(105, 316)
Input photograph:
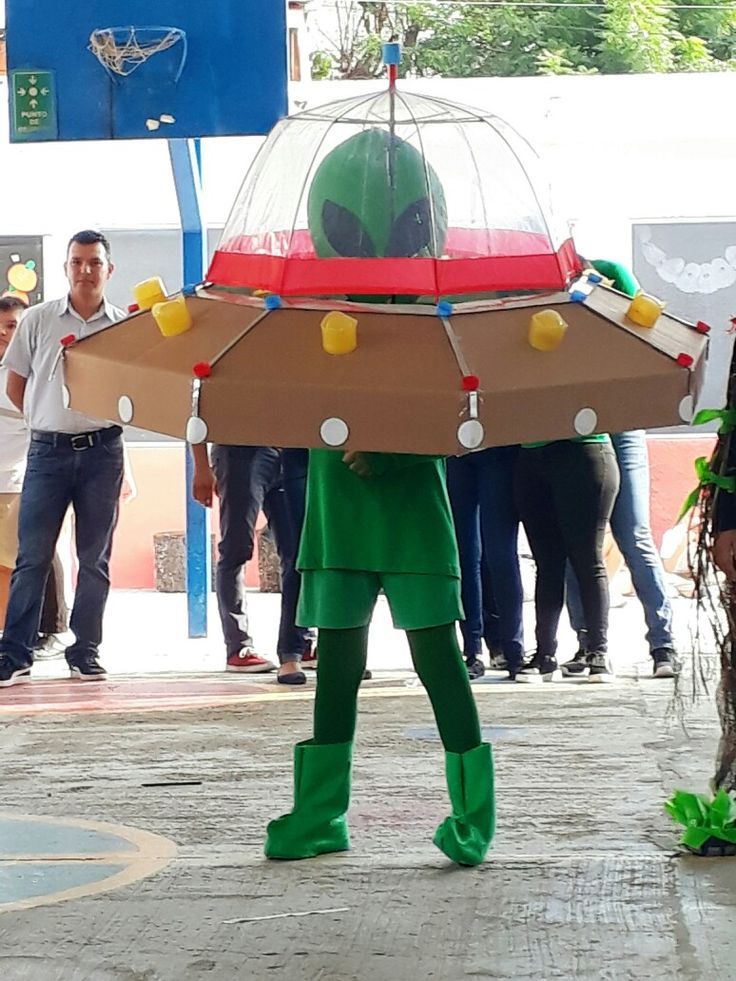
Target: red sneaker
point(309, 659)
point(248, 661)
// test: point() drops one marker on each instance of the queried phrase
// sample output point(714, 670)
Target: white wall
point(619, 148)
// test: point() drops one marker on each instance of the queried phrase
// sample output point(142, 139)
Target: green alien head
point(375, 196)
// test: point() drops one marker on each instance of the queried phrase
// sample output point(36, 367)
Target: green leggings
point(437, 661)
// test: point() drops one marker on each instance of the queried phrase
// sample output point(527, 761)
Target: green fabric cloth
point(438, 662)
point(344, 598)
point(441, 669)
point(466, 835)
point(396, 521)
point(622, 278)
point(341, 660)
point(317, 824)
point(594, 438)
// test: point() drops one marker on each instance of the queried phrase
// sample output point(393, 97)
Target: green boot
point(466, 835)
point(317, 822)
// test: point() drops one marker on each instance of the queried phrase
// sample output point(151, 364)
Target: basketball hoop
point(121, 50)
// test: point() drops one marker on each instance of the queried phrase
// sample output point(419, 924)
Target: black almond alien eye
point(345, 232)
point(411, 233)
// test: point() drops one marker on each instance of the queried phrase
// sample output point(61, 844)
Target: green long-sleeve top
point(397, 521)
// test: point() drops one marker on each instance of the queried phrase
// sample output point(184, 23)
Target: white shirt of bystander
point(33, 353)
point(14, 440)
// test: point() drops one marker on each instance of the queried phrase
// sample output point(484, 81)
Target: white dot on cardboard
point(334, 431)
point(585, 421)
point(125, 408)
point(196, 430)
point(470, 434)
point(687, 408)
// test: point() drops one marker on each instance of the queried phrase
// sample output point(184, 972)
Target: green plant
point(703, 817)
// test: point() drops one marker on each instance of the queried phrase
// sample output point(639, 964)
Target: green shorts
point(340, 599)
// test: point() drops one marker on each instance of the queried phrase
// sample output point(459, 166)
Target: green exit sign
point(34, 106)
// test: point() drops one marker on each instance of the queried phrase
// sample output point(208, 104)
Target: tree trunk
point(725, 775)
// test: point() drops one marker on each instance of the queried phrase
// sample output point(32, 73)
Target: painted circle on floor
point(48, 860)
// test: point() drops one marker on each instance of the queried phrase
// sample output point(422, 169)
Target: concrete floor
point(584, 880)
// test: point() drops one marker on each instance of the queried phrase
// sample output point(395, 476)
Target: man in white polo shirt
point(73, 459)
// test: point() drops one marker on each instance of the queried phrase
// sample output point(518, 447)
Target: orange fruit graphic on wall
point(23, 276)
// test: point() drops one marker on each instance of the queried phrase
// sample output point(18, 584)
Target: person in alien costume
point(381, 521)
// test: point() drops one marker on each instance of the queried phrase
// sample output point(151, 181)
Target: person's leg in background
point(9, 507)
point(294, 468)
point(284, 508)
point(630, 525)
point(54, 613)
point(578, 666)
point(584, 486)
point(5, 574)
point(533, 495)
point(47, 492)
point(499, 519)
point(491, 634)
point(462, 486)
point(98, 480)
point(244, 474)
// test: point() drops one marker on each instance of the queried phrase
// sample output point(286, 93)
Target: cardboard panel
point(399, 391)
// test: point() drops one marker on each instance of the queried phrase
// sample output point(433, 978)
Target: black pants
point(565, 493)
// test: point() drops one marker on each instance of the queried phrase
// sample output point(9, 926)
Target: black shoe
point(498, 661)
point(578, 667)
point(514, 666)
point(476, 668)
point(11, 674)
point(367, 675)
point(293, 678)
point(86, 667)
point(600, 668)
point(665, 662)
point(540, 668)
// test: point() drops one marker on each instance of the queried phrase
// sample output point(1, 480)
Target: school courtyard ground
point(132, 815)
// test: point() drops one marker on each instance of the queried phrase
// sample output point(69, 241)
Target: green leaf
point(688, 808)
point(690, 501)
point(696, 837)
point(704, 817)
point(723, 808)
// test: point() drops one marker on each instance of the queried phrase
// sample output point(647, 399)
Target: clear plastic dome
point(498, 229)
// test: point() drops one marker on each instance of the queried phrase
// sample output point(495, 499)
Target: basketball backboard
point(107, 70)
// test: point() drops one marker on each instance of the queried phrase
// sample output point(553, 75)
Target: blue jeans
point(250, 478)
point(481, 488)
point(56, 476)
point(633, 535)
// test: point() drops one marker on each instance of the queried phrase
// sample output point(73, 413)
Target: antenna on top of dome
point(392, 59)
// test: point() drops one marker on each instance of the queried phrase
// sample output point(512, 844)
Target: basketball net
point(123, 49)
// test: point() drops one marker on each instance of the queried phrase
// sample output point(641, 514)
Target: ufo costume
point(380, 521)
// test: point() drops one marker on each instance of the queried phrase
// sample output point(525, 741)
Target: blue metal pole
point(185, 166)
